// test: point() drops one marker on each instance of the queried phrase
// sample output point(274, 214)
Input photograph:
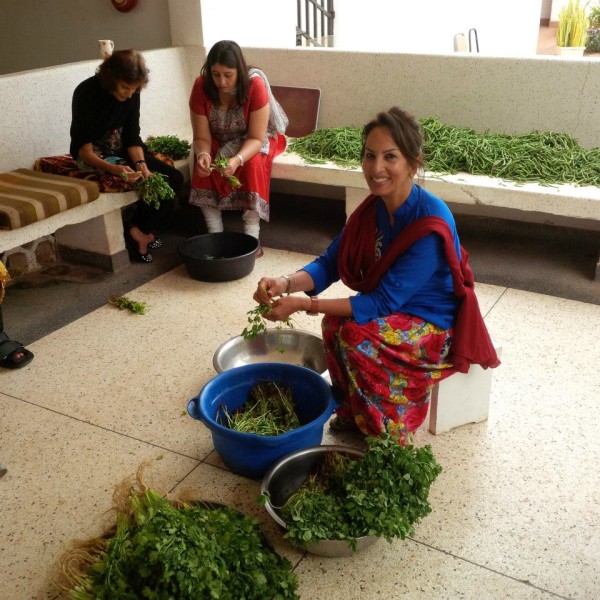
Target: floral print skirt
point(384, 371)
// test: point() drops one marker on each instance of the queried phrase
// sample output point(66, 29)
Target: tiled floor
point(516, 511)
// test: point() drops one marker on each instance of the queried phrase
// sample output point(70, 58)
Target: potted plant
point(593, 40)
point(573, 24)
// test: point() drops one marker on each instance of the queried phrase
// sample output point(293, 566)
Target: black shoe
point(136, 255)
point(155, 244)
point(134, 249)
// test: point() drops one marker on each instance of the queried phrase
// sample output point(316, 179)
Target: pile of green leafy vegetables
point(383, 494)
point(162, 552)
point(170, 145)
point(543, 157)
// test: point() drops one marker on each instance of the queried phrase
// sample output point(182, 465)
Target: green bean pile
point(340, 145)
point(543, 157)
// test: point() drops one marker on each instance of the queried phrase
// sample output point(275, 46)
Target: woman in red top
point(235, 118)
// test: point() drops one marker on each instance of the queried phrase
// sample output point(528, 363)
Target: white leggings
point(214, 221)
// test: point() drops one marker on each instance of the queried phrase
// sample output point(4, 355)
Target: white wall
point(264, 23)
point(496, 94)
point(504, 27)
point(503, 95)
point(557, 6)
point(36, 105)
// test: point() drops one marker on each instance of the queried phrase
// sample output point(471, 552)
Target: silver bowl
point(288, 474)
point(292, 346)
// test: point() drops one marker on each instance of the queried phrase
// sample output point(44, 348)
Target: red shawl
point(358, 269)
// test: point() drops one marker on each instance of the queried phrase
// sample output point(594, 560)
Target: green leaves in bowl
point(383, 494)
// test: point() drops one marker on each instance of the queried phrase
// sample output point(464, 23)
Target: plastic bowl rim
point(208, 260)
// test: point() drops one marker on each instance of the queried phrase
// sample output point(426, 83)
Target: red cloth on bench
point(65, 164)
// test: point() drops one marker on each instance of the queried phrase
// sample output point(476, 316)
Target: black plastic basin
point(219, 256)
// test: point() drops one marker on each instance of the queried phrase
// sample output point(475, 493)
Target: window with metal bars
point(315, 23)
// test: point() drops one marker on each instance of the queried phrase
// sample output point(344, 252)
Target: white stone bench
point(95, 228)
point(471, 194)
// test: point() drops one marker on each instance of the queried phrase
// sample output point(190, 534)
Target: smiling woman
point(404, 330)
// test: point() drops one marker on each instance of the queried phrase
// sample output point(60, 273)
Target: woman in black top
point(105, 135)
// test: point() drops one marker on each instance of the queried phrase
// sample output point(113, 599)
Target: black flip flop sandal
point(8, 348)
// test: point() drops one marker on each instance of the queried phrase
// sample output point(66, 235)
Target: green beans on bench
point(542, 157)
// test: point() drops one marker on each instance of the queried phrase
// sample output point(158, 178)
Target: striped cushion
point(28, 196)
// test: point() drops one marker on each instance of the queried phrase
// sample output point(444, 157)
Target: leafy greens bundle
point(162, 552)
point(170, 145)
point(154, 190)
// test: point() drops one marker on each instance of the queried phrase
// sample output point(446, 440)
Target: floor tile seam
point(489, 569)
point(107, 429)
point(495, 303)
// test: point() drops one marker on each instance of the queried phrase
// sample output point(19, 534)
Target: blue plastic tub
point(252, 455)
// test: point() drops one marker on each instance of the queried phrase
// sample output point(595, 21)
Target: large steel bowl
point(288, 474)
point(291, 346)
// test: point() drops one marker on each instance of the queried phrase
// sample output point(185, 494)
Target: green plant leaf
point(170, 145)
point(154, 190)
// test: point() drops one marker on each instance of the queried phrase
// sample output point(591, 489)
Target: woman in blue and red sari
point(415, 318)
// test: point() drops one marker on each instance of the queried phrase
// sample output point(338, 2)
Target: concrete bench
point(89, 234)
point(566, 205)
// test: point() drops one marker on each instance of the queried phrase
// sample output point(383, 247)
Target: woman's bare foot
point(142, 239)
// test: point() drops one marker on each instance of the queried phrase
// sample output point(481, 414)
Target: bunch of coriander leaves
point(160, 552)
point(382, 494)
point(257, 323)
point(154, 190)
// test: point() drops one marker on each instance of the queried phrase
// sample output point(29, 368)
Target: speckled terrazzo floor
point(516, 511)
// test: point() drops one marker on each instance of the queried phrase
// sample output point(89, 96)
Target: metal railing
point(315, 23)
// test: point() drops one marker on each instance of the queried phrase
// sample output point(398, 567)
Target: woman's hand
point(282, 308)
point(143, 170)
point(269, 288)
point(203, 164)
point(233, 164)
point(125, 172)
